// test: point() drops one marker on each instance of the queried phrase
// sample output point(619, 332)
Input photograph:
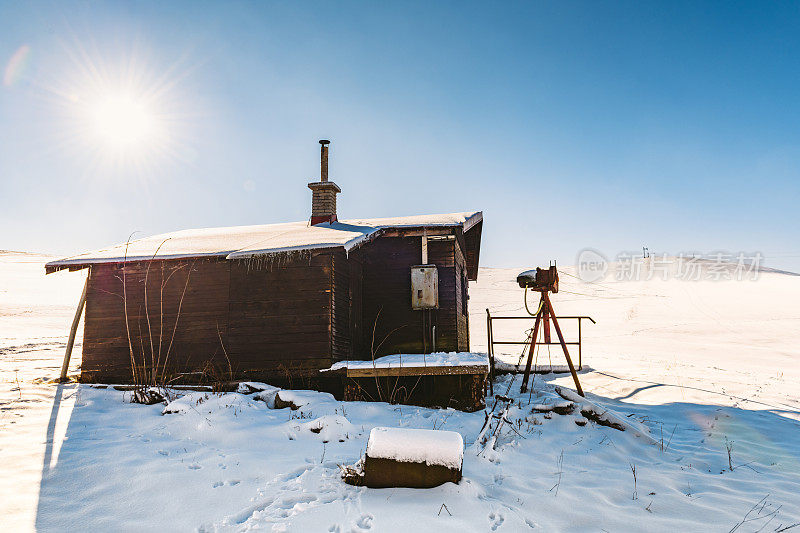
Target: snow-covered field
point(704, 366)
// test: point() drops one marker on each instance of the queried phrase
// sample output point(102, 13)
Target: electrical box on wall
point(424, 287)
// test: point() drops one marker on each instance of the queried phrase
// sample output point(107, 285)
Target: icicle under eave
point(271, 260)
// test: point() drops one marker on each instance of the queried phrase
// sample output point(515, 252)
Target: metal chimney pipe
point(323, 172)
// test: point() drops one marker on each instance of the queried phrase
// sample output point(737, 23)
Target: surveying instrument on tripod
point(544, 281)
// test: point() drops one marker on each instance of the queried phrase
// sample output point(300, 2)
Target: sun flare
point(121, 122)
point(122, 115)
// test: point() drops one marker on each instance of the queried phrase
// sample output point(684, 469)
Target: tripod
point(543, 316)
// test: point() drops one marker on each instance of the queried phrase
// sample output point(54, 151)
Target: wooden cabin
point(279, 301)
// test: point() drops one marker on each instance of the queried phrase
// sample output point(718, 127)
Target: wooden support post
point(563, 343)
point(72, 331)
point(532, 347)
point(546, 325)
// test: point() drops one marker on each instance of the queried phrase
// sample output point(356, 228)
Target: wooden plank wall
point(273, 320)
point(356, 294)
point(341, 346)
point(280, 316)
point(462, 289)
point(387, 289)
point(472, 249)
point(204, 309)
point(442, 254)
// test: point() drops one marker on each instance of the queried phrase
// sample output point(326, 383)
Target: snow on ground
point(701, 366)
point(35, 315)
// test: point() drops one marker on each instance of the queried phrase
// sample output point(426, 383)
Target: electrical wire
point(541, 303)
point(593, 283)
point(598, 296)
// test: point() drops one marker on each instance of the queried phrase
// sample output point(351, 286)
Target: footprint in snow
point(365, 522)
point(293, 505)
point(292, 501)
point(289, 499)
point(496, 520)
point(217, 484)
point(195, 467)
point(294, 474)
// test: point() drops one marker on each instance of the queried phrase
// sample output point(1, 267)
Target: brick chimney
point(323, 198)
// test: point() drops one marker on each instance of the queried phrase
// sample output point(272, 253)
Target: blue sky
point(571, 125)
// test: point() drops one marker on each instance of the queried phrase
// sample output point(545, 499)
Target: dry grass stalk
point(149, 377)
point(560, 463)
point(390, 396)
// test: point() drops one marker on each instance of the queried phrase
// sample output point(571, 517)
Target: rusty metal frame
point(491, 343)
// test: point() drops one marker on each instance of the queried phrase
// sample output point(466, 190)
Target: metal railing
point(491, 343)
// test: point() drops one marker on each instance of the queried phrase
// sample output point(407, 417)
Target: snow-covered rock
point(444, 448)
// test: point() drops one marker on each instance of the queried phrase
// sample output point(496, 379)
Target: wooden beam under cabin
point(416, 371)
point(417, 232)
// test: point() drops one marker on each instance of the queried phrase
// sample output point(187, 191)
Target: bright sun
point(123, 123)
point(121, 117)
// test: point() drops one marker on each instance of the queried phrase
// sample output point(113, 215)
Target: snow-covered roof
point(247, 241)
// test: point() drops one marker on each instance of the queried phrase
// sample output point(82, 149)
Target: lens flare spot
point(16, 65)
